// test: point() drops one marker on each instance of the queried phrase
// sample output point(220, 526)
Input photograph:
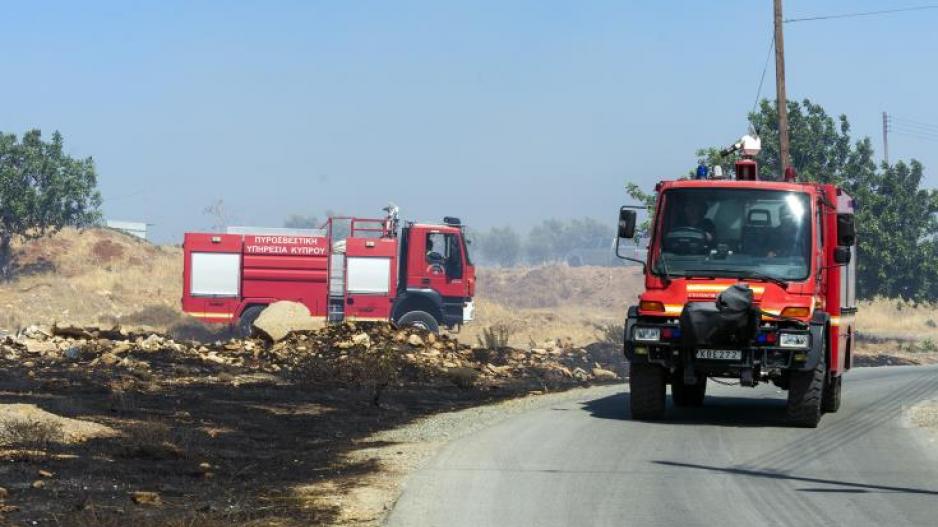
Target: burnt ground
point(217, 443)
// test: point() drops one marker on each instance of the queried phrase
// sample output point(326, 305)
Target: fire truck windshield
point(734, 232)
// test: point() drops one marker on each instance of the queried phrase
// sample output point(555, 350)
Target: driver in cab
point(434, 259)
point(693, 215)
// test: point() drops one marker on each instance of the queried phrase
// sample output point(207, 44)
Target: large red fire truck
point(353, 269)
point(745, 279)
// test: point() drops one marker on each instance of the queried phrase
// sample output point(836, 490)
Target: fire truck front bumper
point(659, 341)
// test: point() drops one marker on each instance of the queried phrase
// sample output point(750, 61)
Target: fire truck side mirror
point(842, 254)
point(627, 219)
point(846, 230)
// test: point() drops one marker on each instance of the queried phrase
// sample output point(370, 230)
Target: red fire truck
point(744, 279)
point(353, 269)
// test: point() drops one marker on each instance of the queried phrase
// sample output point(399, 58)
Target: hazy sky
point(498, 112)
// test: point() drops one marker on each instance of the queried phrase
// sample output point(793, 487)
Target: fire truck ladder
point(337, 282)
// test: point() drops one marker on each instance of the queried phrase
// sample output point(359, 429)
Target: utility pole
point(781, 100)
point(885, 138)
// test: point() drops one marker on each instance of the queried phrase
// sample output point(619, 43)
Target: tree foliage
point(301, 221)
point(500, 246)
point(42, 190)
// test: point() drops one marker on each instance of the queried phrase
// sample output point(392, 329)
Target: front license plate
point(720, 354)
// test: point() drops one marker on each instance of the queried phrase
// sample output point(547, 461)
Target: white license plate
point(720, 354)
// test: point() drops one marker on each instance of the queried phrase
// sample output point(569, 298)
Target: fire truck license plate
point(720, 354)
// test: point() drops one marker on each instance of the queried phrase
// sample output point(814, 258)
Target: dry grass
point(898, 318)
point(572, 324)
point(30, 436)
point(89, 277)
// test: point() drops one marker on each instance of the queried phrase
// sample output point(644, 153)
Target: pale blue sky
point(498, 112)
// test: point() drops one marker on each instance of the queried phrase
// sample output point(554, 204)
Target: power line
point(913, 130)
point(916, 136)
point(912, 123)
point(764, 68)
point(862, 13)
point(896, 125)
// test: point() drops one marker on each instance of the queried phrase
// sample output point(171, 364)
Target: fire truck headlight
point(647, 334)
point(794, 340)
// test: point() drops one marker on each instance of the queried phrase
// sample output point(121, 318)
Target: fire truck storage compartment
point(216, 274)
point(369, 275)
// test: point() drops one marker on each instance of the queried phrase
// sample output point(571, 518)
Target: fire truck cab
point(787, 250)
point(354, 269)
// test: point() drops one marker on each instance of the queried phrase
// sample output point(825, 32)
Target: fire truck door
point(444, 264)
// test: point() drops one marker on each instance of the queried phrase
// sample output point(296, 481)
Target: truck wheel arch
point(248, 314)
point(427, 301)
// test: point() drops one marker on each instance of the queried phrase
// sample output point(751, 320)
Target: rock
point(38, 484)
point(282, 318)
point(362, 339)
point(72, 353)
point(39, 346)
point(142, 497)
point(415, 341)
point(36, 333)
point(45, 473)
point(603, 374)
point(4, 493)
point(581, 375)
point(108, 359)
point(152, 343)
point(539, 351)
point(121, 347)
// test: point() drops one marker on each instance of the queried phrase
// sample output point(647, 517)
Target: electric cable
point(862, 13)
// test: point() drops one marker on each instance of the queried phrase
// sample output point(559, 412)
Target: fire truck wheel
point(420, 320)
point(646, 391)
point(246, 322)
point(832, 394)
point(805, 395)
point(688, 394)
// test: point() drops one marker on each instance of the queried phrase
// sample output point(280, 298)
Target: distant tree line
point(583, 240)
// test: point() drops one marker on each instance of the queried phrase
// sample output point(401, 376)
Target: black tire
point(688, 394)
point(246, 322)
point(646, 391)
point(806, 394)
point(831, 401)
point(419, 319)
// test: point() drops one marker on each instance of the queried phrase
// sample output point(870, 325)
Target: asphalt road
point(732, 462)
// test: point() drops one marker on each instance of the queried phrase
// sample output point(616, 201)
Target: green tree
point(42, 190)
point(648, 200)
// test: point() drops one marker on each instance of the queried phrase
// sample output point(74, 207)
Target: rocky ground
point(109, 426)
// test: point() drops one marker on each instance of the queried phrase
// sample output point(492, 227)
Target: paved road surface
point(733, 462)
